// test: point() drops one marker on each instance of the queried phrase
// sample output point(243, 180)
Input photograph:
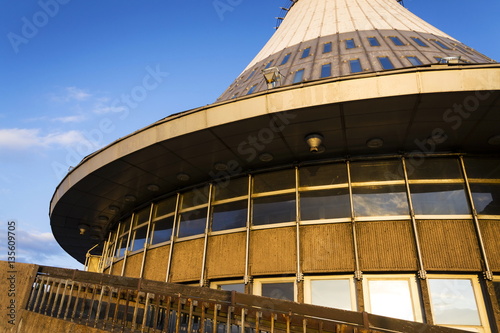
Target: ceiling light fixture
point(97, 228)
point(83, 228)
point(130, 198)
point(314, 142)
point(114, 209)
point(375, 143)
point(266, 157)
point(103, 218)
point(219, 166)
point(183, 177)
point(153, 188)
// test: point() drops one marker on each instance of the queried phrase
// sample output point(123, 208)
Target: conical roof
point(333, 38)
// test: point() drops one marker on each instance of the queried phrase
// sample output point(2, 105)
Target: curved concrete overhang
point(426, 110)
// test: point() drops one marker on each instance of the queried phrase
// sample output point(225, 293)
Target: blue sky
point(66, 66)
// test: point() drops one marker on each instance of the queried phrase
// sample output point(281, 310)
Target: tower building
point(353, 164)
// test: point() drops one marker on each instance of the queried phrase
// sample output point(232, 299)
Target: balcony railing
point(121, 304)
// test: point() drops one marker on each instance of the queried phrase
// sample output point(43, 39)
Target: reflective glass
point(229, 216)
point(251, 74)
point(196, 197)
point(139, 238)
point(434, 168)
point(385, 62)
point(441, 44)
point(238, 287)
point(349, 44)
point(234, 187)
point(376, 171)
point(355, 66)
point(488, 168)
point(306, 52)
point(193, 222)
point(274, 181)
point(326, 70)
point(486, 198)
point(141, 216)
point(269, 64)
point(419, 42)
point(282, 290)
point(332, 293)
point(380, 200)
point(252, 89)
point(325, 204)
point(274, 209)
point(121, 246)
point(165, 207)
point(317, 175)
point(414, 61)
point(453, 302)
point(163, 230)
point(285, 59)
point(396, 41)
point(125, 225)
point(391, 298)
point(439, 199)
point(373, 41)
point(299, 76)
point(327, 47)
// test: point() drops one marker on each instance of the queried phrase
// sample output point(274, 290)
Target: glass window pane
point(269, 64)
point(453, 302)
point(252, 89)
point(327, 47)
point(285, 59)
point(376, 171)
point(325, 204)
point(282, 290)
point(274, 209)
point(326, 70)
point(251, 74)
point(163, 230)
point(274, 181)
point(414, 61)
point(439, 199)
point(306, 52)
point(496, 285)
point(488, 168)
point(196, 197)
point(397, 41)
point(441, 44)
point(125, 225)
point(165, 207)
point(385, 62)
point(355, 66)
point(229, 216)
point(373, 41)
point(299, 76)
point(139, 238)
point(234, 187)
point(380, 200)
point(419, 42)
point(323, 175)
point(332, 293)
point(121, 246)
point(193, 222)
point(238, 287)
point(349, 44)
point(486, 198)
point(434, 168)
point(391, 298)
point(141, 216)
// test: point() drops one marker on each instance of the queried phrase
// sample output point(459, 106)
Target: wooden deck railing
point(120, 304)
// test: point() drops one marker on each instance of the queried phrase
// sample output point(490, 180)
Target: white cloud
point(70, 119)
point(101, 108)
point(71, 94)
point(21, 138)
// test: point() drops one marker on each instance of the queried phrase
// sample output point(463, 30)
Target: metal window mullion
point(246, 278)
point(146, 242)
point(125, 255)
point(422, 272)
point(173, 237)
point(487, 273)
point(357, 274)
point(205, 246)
point(114, 249)
point(104, 255)
point(299, 275)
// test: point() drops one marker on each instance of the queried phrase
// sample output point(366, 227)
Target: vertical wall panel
point(117, 268)
point(327, 248)
point(449, 245)
point(155, 267)
point(273, 251)
point(490, 230)
point(386, 245)
point(226, 255)
point(133, 265)
point(187, 260)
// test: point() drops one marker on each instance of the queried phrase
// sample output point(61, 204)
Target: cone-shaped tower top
point(333, 38)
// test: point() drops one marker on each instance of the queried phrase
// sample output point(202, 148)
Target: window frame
point(257, 285)
point(396, 41)
point(308, 287)
point(306, 52)
point(302, 70)
point(285, 59)
point(382, 64)
point(371, 39)
point(419, 62)
point(330, 47)
point(419, 42)
point(478, 297)
point(357, 61)
point(329, 70)
point(440, 44)
point(413, 288)
point(251, 89)
point(350, 44)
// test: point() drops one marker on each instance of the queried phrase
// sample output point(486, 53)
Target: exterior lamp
point(314, 142)
point(272, 76)
point(83, 228)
